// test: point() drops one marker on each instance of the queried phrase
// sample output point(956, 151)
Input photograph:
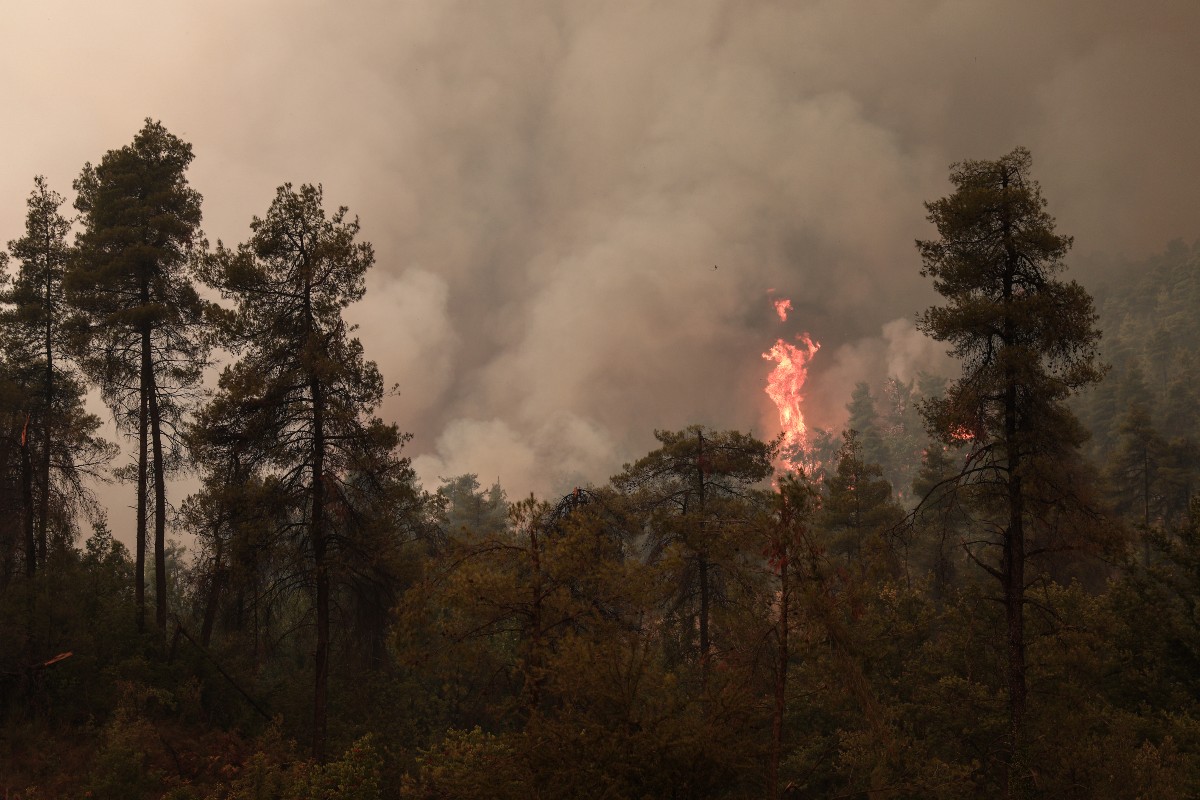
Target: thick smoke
point(578, 208)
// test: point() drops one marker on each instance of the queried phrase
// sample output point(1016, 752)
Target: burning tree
point(1027, 342)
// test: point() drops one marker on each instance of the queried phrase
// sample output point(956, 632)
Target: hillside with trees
point(985, 586)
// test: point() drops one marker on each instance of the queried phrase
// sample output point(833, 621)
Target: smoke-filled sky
point(578, 208)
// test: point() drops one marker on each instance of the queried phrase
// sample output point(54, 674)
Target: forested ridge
point(985, 586)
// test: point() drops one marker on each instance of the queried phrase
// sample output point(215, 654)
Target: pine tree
point(864, 419)
point(141, 339)
point(307, 390)
point(858, 511)
point(1028, 342)
point(1134, 471)
point(693, 491)
point(60, 435)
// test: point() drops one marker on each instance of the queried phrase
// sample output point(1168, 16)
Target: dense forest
point(985, 586)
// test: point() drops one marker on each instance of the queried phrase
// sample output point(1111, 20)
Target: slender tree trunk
point(27, 502)
point(1014, 610)
point(702, 570)
point(1013, 558)
point(1146, 505)
point(47, 412)
point(43, 506)
point(321, 687)
point(160, 513)
point(139, 589)
point(702, 563)
point(8, 533)
point(214, 592)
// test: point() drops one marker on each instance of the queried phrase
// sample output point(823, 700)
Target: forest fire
point(782, 307)
point(785, 386)
point(961, 433)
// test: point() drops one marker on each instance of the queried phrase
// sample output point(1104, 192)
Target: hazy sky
point(578, 208)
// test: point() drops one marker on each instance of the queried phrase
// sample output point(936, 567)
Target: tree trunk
point(1012, 566)
point(160, 513)
point(702, 563)
point(27, 502)
point(321, 683)
point(702, 569)
point(47, 414)
point(1146, 505)
point(214, 592)
point(1014, 610)
point(139, 589)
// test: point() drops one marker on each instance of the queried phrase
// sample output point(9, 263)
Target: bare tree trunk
point(139, 589)
point(321, 687)
point(1012, 566)
point(702, 563)
point(27, 502)
point(1013, 570)
point(160, 513)
point(214, 593)
point(47, 416)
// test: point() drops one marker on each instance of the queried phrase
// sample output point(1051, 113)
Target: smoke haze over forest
point(578, 209)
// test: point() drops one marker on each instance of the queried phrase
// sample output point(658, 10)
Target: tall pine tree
point(142, 337)
point(310, 391)
point(1027, 341)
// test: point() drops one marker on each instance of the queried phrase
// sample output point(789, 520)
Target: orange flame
point(785, 386)
point(782, 307)
point(962, 433)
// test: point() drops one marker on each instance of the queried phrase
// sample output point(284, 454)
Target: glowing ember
point(785, 386)
point(782, 307)
point(962, 433)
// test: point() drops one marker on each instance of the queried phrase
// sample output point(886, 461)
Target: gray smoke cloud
point(578, 208)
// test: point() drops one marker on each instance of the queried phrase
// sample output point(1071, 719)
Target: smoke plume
point(578, 208)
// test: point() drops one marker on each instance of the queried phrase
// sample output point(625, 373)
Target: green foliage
point(858, 512)
point(470, 510)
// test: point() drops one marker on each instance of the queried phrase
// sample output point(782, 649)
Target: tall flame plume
point(785, 386)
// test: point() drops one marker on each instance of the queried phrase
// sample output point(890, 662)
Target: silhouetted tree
point(141, 339)
point(693, 491)
point(309, 390)
point(59, 434)
point(1027, 341)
